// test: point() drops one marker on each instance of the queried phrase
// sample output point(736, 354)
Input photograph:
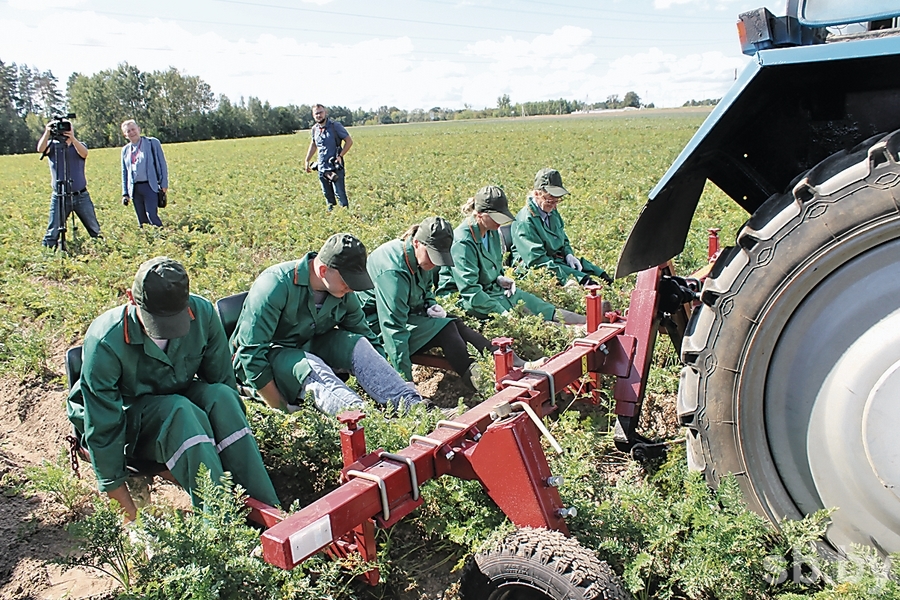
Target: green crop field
point(237, 206)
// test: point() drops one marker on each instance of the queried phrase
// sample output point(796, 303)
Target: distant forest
point(178, 108)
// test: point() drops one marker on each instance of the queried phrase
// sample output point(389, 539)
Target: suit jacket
point(157, 170)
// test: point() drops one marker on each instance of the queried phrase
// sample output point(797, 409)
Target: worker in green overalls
point(301, 322)
point(477, 271)
point(401, 306)
point(157, 385)
point(539, 238)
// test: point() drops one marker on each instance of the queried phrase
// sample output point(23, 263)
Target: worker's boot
point(472, 376)
point(568, 317)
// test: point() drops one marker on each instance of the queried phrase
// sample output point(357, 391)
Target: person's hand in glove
point(436, 312)
point(606, 277)
point(572, 283)
point(508, 284)
point(573, 262)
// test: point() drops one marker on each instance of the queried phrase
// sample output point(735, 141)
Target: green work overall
point(474, 274)
point(179, 407)
point(396, 307)
point(536, 244)
point(279, 323)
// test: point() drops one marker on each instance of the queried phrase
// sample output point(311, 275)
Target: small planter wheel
point(539, 564)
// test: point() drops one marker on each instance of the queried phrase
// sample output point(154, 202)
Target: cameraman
point(58, 143)
point(333, 142)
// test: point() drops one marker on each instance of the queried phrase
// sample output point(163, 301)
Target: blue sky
point(404, 53)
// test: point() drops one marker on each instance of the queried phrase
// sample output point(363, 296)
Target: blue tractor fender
point(788, 110)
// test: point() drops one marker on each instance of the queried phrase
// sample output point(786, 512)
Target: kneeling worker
point(157, 385)
point(300, 322)
point(402, 308)
point(539, 235)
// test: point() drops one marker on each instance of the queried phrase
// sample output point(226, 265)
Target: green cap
point(491, 200)
point(550, 181)
point(436, 235)
point(161, 290)
point(347, 255)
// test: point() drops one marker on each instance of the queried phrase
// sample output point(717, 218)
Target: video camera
point(60, 125)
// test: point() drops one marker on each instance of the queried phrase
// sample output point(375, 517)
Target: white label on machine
point(311, 538)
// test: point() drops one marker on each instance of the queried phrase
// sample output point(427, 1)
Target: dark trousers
point(453, 338)
point(82, 206)
point(333, 188)
point(146, 204)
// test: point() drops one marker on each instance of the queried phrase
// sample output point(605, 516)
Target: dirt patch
point(33, 428)
point(442, 388)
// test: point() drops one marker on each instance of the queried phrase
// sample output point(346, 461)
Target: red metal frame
point(495, 442)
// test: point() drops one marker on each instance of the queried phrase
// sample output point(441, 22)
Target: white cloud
point(387, 71)
point(36, 5)
point(703, 4)
point(669, 80)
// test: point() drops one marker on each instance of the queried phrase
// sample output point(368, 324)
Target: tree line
point(177, 108)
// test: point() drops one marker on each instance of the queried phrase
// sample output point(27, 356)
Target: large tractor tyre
point(792, 376)
point(539, 564)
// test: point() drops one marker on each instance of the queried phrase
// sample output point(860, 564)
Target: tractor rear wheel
point(792, 376)
point(539, 564)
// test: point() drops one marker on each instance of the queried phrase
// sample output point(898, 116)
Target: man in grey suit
point(144, 174)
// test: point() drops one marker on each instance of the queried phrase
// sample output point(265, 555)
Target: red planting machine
point(499, 443)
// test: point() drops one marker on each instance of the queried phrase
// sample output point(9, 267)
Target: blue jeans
point(146, 204)
point(332, 188)
point(83, 207)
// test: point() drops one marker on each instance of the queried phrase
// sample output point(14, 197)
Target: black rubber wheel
point(793, 359)
point(538, 564)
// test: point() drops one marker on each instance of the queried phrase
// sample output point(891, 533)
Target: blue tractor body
point(789, 109)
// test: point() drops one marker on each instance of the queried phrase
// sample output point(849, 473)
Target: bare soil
point(33, 428)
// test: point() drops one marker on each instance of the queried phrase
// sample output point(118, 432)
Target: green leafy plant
point(206, 555)
point(672, 536)
point(301, 450)
point(104, 545)
point(58, 482)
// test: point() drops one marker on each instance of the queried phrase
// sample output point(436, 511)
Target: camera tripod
point(63, 194)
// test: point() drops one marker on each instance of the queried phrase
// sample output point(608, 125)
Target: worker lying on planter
point(157, 385)
point(477, 271)
point(300, 322)
point(539, 237)
point(401, 306)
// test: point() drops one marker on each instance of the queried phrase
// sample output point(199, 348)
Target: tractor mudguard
point(788, 110)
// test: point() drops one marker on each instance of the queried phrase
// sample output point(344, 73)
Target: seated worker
point(539, 238)
point(477, 271)
point(157, 385)
point(402, 307)
point(300, 321)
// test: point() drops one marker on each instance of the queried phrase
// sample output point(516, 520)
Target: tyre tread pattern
point(574, 566)
point(712, 435)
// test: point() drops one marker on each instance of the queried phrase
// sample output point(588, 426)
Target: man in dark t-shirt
point(332, 141)
point(67, 158)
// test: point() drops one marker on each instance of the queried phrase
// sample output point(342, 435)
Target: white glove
point(573, 262)
point(507, 284)
point(436, 312)
point(572, 283)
